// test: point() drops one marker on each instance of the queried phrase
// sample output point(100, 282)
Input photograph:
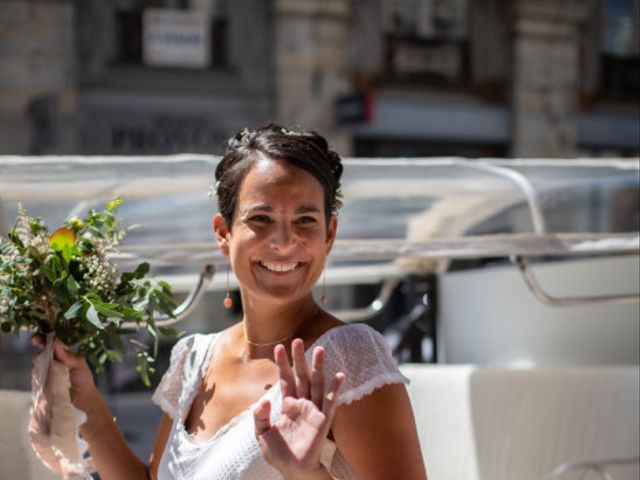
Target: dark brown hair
point(304, 149)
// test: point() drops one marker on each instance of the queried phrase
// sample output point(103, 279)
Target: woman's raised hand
point(293, 443)
point(83, 388)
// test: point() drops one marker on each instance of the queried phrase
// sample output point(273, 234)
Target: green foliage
point(65, 283)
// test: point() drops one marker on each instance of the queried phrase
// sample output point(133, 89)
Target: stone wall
point(311, 64)
point(546, 77)
point(37, 98)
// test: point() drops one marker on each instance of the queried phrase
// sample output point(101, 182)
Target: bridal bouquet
point(63, 283)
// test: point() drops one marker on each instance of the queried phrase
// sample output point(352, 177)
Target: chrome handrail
point(548, 299)
point(595, 466)
point(366, 313)
point(522, 182)
point(189, 303)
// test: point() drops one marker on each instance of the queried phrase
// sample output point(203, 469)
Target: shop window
point(426, 41)
point(620, 72)
point(189, 34)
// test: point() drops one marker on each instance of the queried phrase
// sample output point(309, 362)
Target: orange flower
point(62, 237)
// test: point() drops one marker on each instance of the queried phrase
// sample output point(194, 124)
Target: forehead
point(269, 181)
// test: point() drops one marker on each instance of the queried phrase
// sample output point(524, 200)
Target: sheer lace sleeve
point(364, 356)
point(167, 394)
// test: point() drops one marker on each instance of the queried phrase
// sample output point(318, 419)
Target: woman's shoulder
point(353, 345)
point(192, 348)
point(194, 340)
point(363, 354)
point(186, 356)
point(351, 335)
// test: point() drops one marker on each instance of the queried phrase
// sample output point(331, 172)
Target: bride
point(290, 392)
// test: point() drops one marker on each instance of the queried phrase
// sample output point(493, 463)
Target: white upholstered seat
point(17, 459)
point(479, 423)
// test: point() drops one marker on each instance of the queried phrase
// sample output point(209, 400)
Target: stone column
point(37, 91)
point(311, 64)
point(546, 72)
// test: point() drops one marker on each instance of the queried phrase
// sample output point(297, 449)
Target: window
point(426, 40)
point(621, 49)
point(620, 29)
point(171, 33)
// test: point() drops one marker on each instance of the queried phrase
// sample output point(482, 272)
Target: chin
point(283, 296)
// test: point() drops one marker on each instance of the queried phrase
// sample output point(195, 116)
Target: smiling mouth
point(280, 267)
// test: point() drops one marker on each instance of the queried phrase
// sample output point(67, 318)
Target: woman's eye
point(259, 218)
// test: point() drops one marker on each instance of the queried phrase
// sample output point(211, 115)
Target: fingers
point(297, 382)
point(66, 356)
point(61, 351)
point(302, 382)
point(330, 399)
point(38, 340)
point(261, 418)
point(287, 381)
point(317, 376)
point(301, 369)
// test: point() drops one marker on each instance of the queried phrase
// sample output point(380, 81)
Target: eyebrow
point(268, 209)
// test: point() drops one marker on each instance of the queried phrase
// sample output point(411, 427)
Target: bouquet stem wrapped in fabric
point(55, 423)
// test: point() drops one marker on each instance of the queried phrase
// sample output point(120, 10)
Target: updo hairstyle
point(304, 149)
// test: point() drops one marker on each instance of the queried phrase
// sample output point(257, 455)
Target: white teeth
point(279, 267)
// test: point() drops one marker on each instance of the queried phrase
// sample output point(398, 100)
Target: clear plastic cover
point(390, 205)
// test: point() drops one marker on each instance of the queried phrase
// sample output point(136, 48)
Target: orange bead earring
point(228, 301)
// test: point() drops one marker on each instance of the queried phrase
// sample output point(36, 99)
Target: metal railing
point(598, 467)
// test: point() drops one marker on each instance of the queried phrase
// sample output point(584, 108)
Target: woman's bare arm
point(378, 438)
point(164, 429)
point(109, 450)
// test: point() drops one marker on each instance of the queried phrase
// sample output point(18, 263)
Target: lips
point(280, 267)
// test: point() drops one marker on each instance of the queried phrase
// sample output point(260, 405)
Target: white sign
point(176, 38)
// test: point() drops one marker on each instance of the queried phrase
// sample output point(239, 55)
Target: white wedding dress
point(233, 452)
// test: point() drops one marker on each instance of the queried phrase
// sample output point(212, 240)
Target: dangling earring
point(228, 301)
point(323, 297)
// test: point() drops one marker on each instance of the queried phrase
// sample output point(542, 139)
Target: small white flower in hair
point(291, 133)
point(213, 189)
point(244, 136)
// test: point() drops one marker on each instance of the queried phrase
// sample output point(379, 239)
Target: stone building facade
point(37, 77)
point(525, 78)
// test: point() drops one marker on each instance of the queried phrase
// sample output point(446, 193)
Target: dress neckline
point(233, 421)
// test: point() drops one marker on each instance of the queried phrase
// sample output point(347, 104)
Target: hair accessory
point(245, 136)
point(228, 301)
point(337, 200)
point(213, 189)
point(292, 133)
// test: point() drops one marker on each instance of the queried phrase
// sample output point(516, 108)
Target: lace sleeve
point(364, 356)
point(168, 392)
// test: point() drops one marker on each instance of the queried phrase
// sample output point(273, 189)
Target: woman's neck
point(264, 326)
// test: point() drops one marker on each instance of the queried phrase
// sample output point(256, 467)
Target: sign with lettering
point(176, 38)
point(442, 59)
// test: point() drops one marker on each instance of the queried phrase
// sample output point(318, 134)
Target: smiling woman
point(290, 392)
point(279, 239)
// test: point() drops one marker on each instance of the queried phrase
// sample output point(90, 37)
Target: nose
point(283, 238)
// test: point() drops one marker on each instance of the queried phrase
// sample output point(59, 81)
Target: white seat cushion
point(17, 458)
point(505, 424)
